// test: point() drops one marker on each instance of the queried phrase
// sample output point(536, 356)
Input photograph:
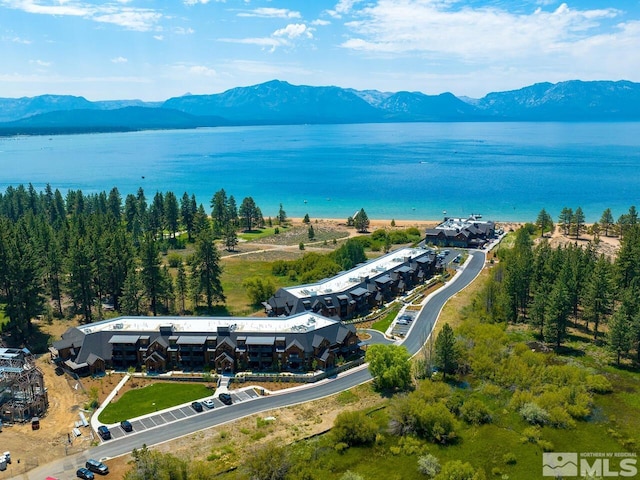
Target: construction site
point(23, 397)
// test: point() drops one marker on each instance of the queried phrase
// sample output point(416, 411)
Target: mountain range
point(280, 103)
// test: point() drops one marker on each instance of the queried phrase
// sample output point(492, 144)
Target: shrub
point(349, 475)
point(340, 447)
point(475, 412)
point(598, 384)
point(428, 465)
point(534, 414)
point(354, 428)
point(509, 458)
point(174, 259)
point(456, 470)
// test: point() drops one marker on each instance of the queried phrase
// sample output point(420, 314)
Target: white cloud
point(434, 29)
point(194, 70)
point(141, 19)
point(321, 22)
point(343, 7)
point(119, 60)
point(260, 41)
point(270, 13)
point(183, 31)
point(158, 37)
point(23, 41)
point(40, 63)
point(294, 30)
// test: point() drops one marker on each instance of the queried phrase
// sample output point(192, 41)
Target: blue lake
point(504, 171)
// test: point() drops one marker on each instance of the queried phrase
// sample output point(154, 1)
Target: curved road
point(421, 327)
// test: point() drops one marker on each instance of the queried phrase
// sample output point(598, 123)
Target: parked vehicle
point(104, 432)
point(84, 473)
point(197, 406)
point(126, 425)
point(96, 466)
point(225, 398)
point(208, 403)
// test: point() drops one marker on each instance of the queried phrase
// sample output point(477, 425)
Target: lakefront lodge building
point(357, 291)
point(303, 331)
point(221, 344)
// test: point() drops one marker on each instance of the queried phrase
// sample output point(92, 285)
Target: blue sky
point(154, 50)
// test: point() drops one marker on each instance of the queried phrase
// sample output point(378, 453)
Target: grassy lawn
point(253, 235)
point(236, 271)
point(151, 398)
point(382, 324)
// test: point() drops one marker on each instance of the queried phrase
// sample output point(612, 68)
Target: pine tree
point(598, 296)
point(578, 221)
point(361, 221)
point(311, 233)
point(606, 221)
point(150, 272)
point(446, 351)
point(619, 336)
point(181, 286)
point(206, 268)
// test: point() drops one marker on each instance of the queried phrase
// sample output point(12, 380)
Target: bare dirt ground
point(35, 447)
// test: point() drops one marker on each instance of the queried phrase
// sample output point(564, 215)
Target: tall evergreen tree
point(150, 272)
point(220, 211)
point(181, 286)
point(206, 268)
point(598, 296)
point(447, 352)
point(557, 314)
point(361, 221)
point(20, 276)
point(544, 222)
point(606, 221)
point(248, 213)
point(282, 216)
point(619, 336)
point(171, 214)
point(578, 221)
point(565, 220)
point(187, 212)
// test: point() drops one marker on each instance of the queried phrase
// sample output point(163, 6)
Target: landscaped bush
point(510, 458)
point(174, 259)
point(349, 475)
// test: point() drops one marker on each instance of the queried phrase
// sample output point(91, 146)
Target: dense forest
point(82, 255)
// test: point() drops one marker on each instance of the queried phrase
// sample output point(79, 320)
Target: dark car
point(126, 425)
point(225, 398)
point(197, 406)
point(96, 466)
point(84, 473)
point(104, 432)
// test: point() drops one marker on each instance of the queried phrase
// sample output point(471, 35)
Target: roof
point(347, 280)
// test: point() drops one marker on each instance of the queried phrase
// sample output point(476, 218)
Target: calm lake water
point(504, 171)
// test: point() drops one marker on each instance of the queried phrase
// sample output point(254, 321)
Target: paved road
point(192, 421)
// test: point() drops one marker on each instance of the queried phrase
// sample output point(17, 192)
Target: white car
point(208, 403)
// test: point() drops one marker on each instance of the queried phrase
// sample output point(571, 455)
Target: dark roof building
point(462, 233)
point(357, 291)
point(223, 344)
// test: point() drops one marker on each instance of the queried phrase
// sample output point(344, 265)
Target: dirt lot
point(32, 448)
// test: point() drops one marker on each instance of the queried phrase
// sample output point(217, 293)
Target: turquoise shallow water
point(504, 171)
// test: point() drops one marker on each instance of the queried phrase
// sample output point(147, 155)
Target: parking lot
point(168, 416)
point(403, 323)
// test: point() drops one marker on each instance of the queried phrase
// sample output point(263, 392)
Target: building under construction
point(22, 392)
